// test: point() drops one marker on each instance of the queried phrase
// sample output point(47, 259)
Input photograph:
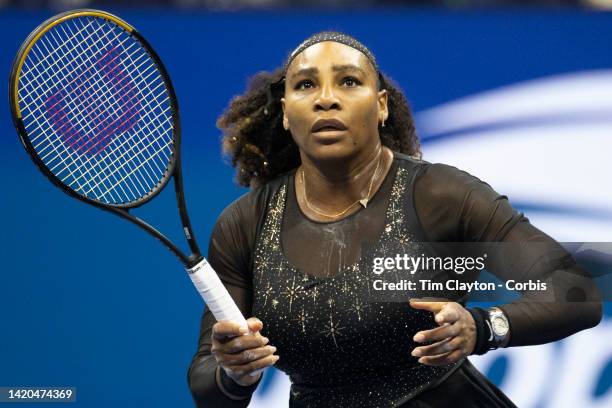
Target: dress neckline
point(289, 188)
point(292, 187)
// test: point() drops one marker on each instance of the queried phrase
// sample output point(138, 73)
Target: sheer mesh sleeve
point(454, 206)
point(229, 254)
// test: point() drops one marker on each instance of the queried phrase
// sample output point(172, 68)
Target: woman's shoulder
point(435, 169)
point(440, 180)
point(453, 205)
point(251, 206)
point(233, 237)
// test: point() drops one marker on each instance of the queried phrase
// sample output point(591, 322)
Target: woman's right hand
point(240, 354)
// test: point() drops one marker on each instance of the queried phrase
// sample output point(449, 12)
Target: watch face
point(500, 326)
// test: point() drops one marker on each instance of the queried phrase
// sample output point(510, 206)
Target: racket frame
point(173, 169)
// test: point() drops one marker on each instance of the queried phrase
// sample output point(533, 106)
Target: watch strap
point(483, 332)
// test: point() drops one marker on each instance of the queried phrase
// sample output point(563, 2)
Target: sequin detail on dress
point(339, 348)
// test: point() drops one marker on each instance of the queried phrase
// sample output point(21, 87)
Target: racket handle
point(216, 297)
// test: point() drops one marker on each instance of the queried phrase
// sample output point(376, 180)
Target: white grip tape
point(216, 297)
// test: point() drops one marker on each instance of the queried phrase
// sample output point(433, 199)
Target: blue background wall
point(89, 301)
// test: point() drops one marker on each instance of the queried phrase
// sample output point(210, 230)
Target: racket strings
point(73, 112)
point(34, 94)
point(129, 117)
point(73, 145)
point(61, 72)
point(89, 60)
point(59, 47)
point(97, 110)
point(99, 119)
point(114, 58)
point(75, 59)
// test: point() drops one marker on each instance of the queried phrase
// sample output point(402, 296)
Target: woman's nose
point(327, 99)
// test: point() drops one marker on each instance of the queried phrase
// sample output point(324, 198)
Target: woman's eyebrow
point(335, 68)
point(306, 71)
point(348, 67)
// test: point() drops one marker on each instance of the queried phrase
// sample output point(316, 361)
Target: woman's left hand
point(454, 339)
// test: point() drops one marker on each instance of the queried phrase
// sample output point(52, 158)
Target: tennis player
point(328, 145)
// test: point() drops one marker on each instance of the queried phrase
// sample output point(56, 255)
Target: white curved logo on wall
point(547, 145)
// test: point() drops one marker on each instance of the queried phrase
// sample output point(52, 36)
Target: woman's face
point(332, 105)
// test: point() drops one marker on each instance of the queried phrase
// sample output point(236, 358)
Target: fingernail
point(416, 352)
point(418, 338)
point(273, 349)
point(439, 318)
point(277, 358)
point(266, 340)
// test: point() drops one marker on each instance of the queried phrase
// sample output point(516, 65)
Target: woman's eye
point(305, 84)
point(351, 82)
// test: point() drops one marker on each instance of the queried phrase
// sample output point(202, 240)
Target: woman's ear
point(383, 109)
point(285, 119)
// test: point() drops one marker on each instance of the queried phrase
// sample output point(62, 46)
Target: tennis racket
point(96, 111)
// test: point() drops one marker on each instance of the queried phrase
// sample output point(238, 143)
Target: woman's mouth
point(332, 125)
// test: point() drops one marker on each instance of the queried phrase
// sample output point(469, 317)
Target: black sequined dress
point(309, 283)
point(339, 350)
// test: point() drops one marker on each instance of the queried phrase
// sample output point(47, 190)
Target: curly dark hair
point(260, 148)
